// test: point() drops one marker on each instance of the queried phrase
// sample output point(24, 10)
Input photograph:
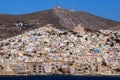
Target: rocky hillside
point(12, 25)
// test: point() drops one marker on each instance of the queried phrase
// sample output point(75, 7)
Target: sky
point(105, 8)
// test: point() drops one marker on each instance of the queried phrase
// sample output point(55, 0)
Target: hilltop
point(12, 25)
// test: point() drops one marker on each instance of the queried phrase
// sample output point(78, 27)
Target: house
point(7, 70)
point(19, 24)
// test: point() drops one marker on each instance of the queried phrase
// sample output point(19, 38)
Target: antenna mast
point(73, 6)
point(58, 5)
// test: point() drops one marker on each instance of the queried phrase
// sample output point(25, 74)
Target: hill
point(12, 25)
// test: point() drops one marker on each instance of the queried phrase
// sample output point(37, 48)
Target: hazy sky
point(104, 8)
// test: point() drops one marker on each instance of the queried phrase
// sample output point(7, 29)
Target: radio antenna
point(58, 5)
point(73, 6)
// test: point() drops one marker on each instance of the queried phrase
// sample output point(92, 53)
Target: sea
point(60, 77)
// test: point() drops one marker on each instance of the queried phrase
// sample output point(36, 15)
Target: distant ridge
point(60, 18)
point(115, 28)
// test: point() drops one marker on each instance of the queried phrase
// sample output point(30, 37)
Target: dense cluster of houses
point(47, 51)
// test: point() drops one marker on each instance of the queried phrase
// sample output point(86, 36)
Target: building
point(39, 68)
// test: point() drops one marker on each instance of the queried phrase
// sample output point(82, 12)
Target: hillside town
point(50, 51)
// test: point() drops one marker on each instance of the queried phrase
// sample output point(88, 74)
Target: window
point(56, 66)
point(34, 65)
point(53, 68)
point(40, 71)
point(34, 68)
point(40, 68)
point(34, 71)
